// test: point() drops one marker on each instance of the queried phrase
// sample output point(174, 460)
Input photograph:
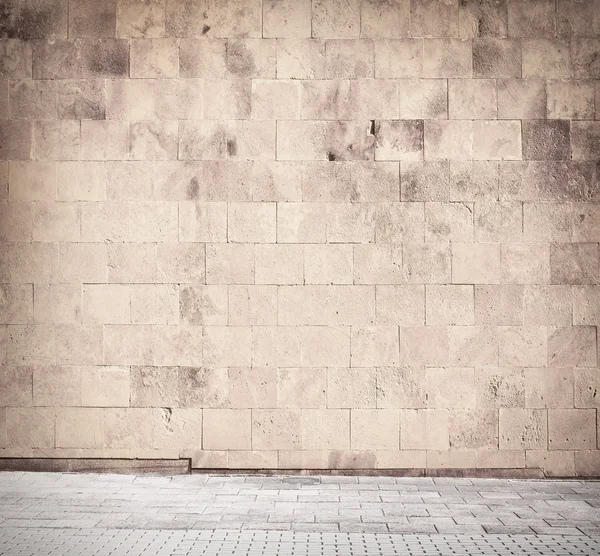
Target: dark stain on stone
point(26, 22)
point(331, 157)
point(205, 29)
point(193, 189)
point(240, 60)
point(231, 147)
point(372, 128)
point(108, 58)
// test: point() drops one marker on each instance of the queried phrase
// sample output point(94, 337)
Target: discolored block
point(546, 139)
point(482, 19)
point(472, 99)
point(350, 140)
point(202, 140)
point(500, 387)
point(448, 222)
point(399, 222)
point(499, 305)
point(56, 140)
point(525, 263)
point(300, 59)
point(177, 345)
point(227, 98)
point(398, 58)
point(546, 58)
point(36, 19)
point(521, 99)
point(447, 58)
point(17, 384)
point(423, 98)
point(336, 19)
point(501, 222)
point(81, 99)
point(275, 99)
point(286, 19)
point(531, 18)
point(399, 140)
point(384, 20)
point(547, 221)
point(585, 56)
point(430, 18)
point(571, 100)
point(255, 58)
point(350, 59)
point(449, 305)
point(524, 346)
point(473, 181)
point(203, 58)
point(574, 263)
point(15, 59)
point(154, 58)
point(571, 429)
point(587, 384)
point(30, 100)
point(276, 181)
point(153, 140)
point(475, 263)
point(424, 181)
point(523, 429)
point(500, 58)
point(473, 429)
point(577, 18)
point(15, 139)
point(135, 19)
point(88, 18)
point(28, 427)
point(585, 140)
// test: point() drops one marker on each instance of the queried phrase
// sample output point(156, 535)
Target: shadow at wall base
point(183, 467)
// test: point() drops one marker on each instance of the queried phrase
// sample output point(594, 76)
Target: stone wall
point(293, 234)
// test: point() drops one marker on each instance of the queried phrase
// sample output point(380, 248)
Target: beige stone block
point(355, 459)
point(79, 427)
point(30, 344)
point(104, 221)
point(229, 263)
point(253, 387)
point(16, 304)
point(586, 463)
point(56, 140)
point(325, 429)
point(572, 346)
point(473, 429)
point(252, 305)
point(546, 58)
point(587, 384)
point(450, 387)
point(584, 52)
point(473, 345)
point(488, 19)
point(549, 388)
point(496, 57)
point(424, 429)
point(183, 180)
point(90, 19)
point(177, 345)
point(448, 139)
point(424, 181)
point(401, 387)
point(130, 428)
point(531, 19)
point(554, 464)
point(571, 429)
point(203, 305)
point(16, 59)
point(446, 305)
point(30, 427)
point(154, 58)
point(15, 139)
point(206, 57)
point(154, 140)
point(279, 264)
point(178, 428)
point(574, 263)
point(585, 222)
point(203, 222)
point(286, 19)
point(471, 99)
point(78, 344)
point(385, 20)
point(104, 140)
point(424, 345)
point(81, 99)
point(351, 59)
point(570, 100)
point(378, 264)
point(132, 263)
point(181, 263)
point(16, 221)
point(275, 99)
point(227, 346)
point(401, 459)
point(253, 460)
point(276, 429)
point(351, 223)
point(251, 140)
point(105, 386)
point(524, 346)
point(228, 98)
point(500, 459)
point(328, 264)
point(32, 99)
point(208, 459)
point(300, 59)
point(499, 305)
point(251, 57)
point(303, 459)
point(30, 262)
point(525, 263)
point(586, 307)
point(351, 388)
point(106, 304)
point(498, 222)
point(128, 345)
point(523, 429)
point(304, 388)
point(548, 305)
point(328, 346)
point(202, 140)
point(423, 98)
point(227, 429)
point(154, 304)
point(521, 99)
point(472, 181)
point(252, 222)
point(32, 181)
point(375, 429)
point(305, 140)
point(399, 140)
point(426, 262)
point(400, 305)
point(16, 386)
point(497, 140)
point(56, 222)
point(447, 58)
point(57, 303)
point(82, 181)
point(57, 386)
point(500, 387)
point(477, 263)
point(276, 181)
point(335, 19)
point(401, 58)
point(301, 222)
point(448, 222)
point(585, 140)
point(399, 223)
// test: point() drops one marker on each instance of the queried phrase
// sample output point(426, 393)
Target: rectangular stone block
point(424, 345)
point(275, 99)
point(427, 263)
point(252, 222)
point(325, 429)
point(82, 262)
point(375, 346)
point(279, 264)
point(328, 264)
point(203, 305)
point(473, 429)
point(58, 140)
point(524, 346)
point(571, 100)
point(423, 98)
point(30, 427)
point(424, 429)
point(128, 345)
point(16, 56)
point(585, 140)
point(30, 345)
point(30, 263)
point(57, 386)
point(56, 222)
point(202, 140)
point(81, 99)
point(57, 303)
point(375, 429)
point(472, 99)
point(497, 140)
point(477, 263)
point(499, 387)
point(227, 429)
point(549, 388)
point(16, 303)
point(78, 427)
point(546, 58)
point(79, 344)
point(105, 386)
point(450, 387)
point(17, 385)
point(378, 264)
point(178, 345)
point(548, 305)
point(300, 59)
point(448, 139)
point(499, 305)
point(572, 346)
point(202, 222)
point(523, 429)
point(230, 264)
point(32, 181)
point(449, 305)
point(16, 221)
point(496, 57)
point(447, 58)
point(104, 140)
point(525, 263)
point(571, 429)
point(400, 305)
point(584, 55)
point(473, 345)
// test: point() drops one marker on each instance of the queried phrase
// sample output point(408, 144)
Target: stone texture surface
point(296, 234)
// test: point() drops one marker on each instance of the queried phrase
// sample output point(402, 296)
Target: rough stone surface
point(327, 234)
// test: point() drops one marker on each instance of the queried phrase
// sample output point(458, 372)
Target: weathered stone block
point(375, 429)
point(398, 58)
point(286, 19)
point(450, 387)
point(499, 387)
point(500, 58)
point(524, 346)
point(473, 345)
point(333, 19)
point(572, 346)
point(548, 388)
point(300, 59)
point(473, 429)
point(522, 99)
point(523, 429)
point(571, 429)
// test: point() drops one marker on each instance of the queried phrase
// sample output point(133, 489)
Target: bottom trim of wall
point(183, 467)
